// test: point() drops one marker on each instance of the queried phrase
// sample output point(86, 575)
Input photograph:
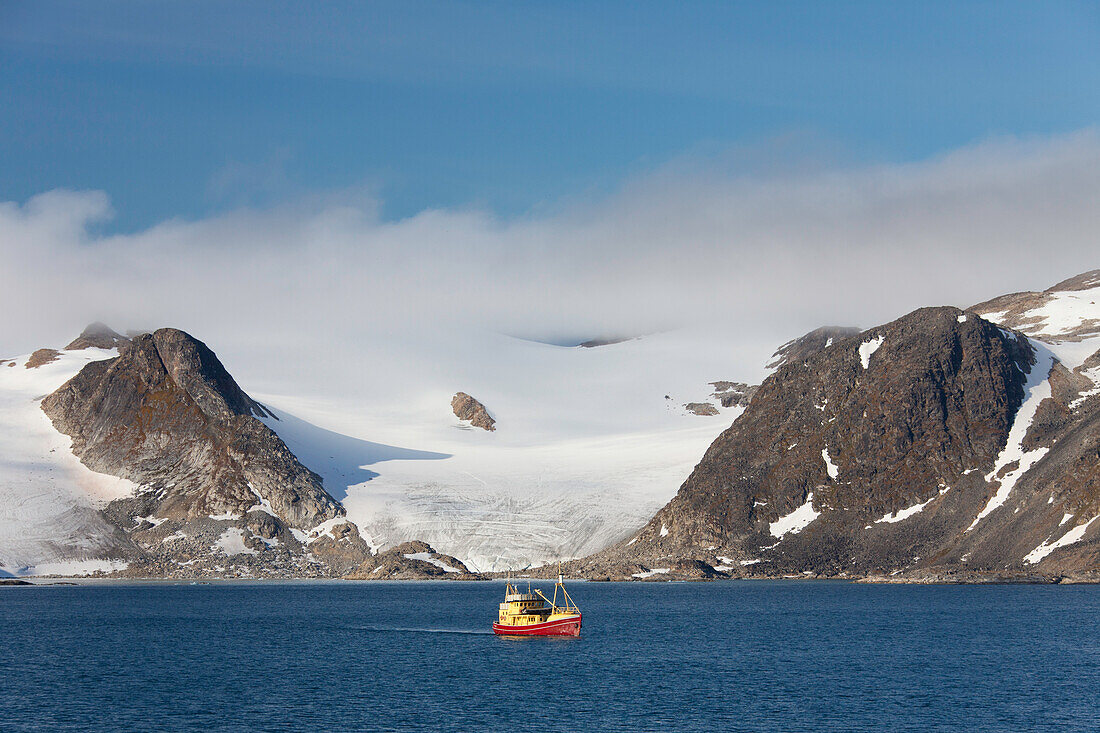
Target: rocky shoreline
point(392, 570)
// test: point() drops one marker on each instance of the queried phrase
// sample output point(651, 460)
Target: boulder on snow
point(467, 408)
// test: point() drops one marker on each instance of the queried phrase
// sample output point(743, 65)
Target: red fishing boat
point(533, 614)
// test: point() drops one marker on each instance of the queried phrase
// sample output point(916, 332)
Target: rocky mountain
point(204, 487)
point(215, 486)
point(938, 446)
point(167, 416)
point(946, 445)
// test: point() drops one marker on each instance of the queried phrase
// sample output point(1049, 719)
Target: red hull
point(561, 627)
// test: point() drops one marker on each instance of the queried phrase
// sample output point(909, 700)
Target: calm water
point(786, 656)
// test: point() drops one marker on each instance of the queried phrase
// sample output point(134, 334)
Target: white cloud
point(766, 255)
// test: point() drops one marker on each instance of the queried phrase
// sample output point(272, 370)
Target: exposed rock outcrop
point(167, 416)
point(701, 408)
point(255, 545)
point(411, 561)
point(340, 548)
point(42, 357)
point(733, 394)
point(467, 408)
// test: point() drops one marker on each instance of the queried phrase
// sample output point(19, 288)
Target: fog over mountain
point(772, 252)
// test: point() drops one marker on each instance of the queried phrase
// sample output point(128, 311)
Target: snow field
point(48, 499)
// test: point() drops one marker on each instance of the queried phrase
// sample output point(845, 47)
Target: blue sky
point(191, 109)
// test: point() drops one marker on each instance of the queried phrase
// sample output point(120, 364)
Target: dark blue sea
point(727, 656)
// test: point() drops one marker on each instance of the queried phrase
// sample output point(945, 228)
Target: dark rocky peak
point(97, 336)
point(803, 347)
point(466, 407)
point(166, 415)
point(195, 369)
point(831, 443)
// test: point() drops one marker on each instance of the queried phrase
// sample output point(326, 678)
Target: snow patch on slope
point(232, 543)
point(264, 505)
point(869, 347)
point(830, 467)
point(651, 573)
point(75, 568)
point(1065, 311)
point(1069, 538)
point(797, 520)
point(902, 514)
point(1036, 390)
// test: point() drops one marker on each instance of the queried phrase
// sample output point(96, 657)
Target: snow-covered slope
point(589, 442)
point(48, 500)
point(1068, 311)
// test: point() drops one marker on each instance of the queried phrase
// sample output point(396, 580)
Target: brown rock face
point(701, 408)
point(97, 336)
point(41, 357)
point(880, 444)
point(341, 549)
point(167, 416)
point(411, 561)
point(467, 408)
point(733, 394)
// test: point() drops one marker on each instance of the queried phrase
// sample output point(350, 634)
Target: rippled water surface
point(787, 656)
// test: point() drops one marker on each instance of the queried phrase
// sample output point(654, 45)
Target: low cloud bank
point(769, 255)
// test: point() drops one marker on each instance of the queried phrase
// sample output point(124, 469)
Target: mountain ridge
point(1005, 486)
point(946, 444)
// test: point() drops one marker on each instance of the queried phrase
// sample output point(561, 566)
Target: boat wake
point(403, 629)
